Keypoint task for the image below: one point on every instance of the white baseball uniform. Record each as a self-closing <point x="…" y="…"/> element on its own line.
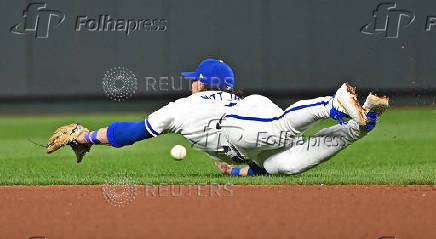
<point x="195" y="117"/>
<point x="255" y="128"/>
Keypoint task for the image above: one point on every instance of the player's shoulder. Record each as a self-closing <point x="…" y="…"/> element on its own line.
<point x="257" y="97"/>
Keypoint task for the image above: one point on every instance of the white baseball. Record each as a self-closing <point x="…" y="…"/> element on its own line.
<point x="178" y="152"/>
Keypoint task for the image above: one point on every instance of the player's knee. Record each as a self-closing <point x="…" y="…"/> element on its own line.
<point x="286" y="164"/>
<point x="291" y="170"/>
<point x="281" y="168"/>
<point x="285" y="170"/>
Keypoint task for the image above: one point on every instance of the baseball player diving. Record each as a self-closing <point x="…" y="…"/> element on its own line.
<point x="252" y="130"/>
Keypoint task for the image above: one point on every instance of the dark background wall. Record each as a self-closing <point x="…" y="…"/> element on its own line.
<point x="279" y="48"/>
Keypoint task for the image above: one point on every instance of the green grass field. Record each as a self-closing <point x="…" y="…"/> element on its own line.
<point x="401" y="150"/>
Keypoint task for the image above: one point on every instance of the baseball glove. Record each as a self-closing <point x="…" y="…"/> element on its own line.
<point x="67" y="135"/>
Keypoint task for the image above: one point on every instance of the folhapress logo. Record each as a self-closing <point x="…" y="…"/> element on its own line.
<point x="38" y="20"/>
<point x="388" y="19"/>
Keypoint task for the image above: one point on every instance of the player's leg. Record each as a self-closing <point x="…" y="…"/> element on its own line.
<point x="305" y="113"/>
<point x="326" y="143"/>
<point x="318" y="148"/>
<point x="303" y="155"/>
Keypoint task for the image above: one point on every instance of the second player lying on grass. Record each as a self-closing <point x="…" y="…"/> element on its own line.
<point x="251" y="130"/>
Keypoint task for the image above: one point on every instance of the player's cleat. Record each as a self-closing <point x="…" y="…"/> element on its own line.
<point x="374" y="107"/>
<point x="376" y="103"/>
<point x="345" y="104"/>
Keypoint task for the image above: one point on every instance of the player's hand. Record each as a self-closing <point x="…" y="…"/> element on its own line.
<point x="225" y="168"/>
<point x="67" y="135"/>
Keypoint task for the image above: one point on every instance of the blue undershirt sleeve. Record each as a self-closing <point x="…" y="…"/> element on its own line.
<point x="121" y="134"/>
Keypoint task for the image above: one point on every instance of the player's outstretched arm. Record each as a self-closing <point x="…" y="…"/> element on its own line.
<point x="100" y="135"/>
<point x="118" y="134"/>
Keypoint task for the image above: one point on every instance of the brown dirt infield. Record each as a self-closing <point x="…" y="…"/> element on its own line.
<point x="250" y="212"/>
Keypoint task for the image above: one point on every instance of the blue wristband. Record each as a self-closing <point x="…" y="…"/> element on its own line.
<point x="87" y="138"/>
<point x="94" y="137"/>
<point x="235" y="171"/>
